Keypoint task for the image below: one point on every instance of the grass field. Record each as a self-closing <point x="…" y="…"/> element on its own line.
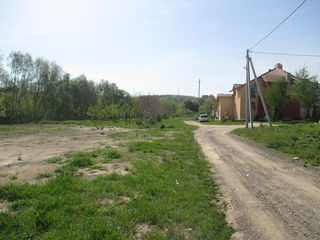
<point x="220" y="122"/>
<point x="298" y="140"/>
<point x="134" y="123"/>
<point x="166" y="193"/>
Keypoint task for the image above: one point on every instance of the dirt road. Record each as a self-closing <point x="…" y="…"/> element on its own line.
<point x="270" y="195"/>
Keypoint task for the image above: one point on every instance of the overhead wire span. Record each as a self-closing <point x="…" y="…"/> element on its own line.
<point x="287" y="54"/>
<point x="278" y="25"/>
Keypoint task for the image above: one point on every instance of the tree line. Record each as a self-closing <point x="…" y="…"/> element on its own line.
<point x="39" y="89"/>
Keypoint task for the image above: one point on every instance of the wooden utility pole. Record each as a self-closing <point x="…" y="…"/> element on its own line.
<point x="248" y="97"/>
<point x="260" y="94"/>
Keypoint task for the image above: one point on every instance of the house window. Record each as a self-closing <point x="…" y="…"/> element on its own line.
<point x="253" y="106"/>
<point x="253" y="90"/>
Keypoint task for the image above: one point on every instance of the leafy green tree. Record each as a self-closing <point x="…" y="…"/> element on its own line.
<point x="306" y="90"/>
<point x="83" y="94"/>
<point x="275" y="97"/>
<point x="207" y="103"/>
<point x="193" y="106"/>
<point x="109" y="93"/>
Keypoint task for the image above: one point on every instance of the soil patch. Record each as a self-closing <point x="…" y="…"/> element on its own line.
<point x="25" y="149"/>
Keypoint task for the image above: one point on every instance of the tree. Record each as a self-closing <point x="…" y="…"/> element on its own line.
<point x="83" y="94"/>
<point x="207" y="103"/>
<point x="193" y="106"/>
<point x="306" y="90"/>
<point x="275" y="97"/>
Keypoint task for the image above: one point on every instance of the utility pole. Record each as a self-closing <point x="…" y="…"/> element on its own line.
<point x="260" y="94"/>
<point x="199" y="90"/>
<point x="248" y="97"/>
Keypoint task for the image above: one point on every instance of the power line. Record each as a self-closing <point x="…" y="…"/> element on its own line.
<point x="278" y="25"/>
<point x="287" y="54"/>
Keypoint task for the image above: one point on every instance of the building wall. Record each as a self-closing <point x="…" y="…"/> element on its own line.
<point x="225" y="108"/>
<point x="239" y="100"/>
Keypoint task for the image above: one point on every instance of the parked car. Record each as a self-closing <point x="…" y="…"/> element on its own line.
<point x="203" y="118"/>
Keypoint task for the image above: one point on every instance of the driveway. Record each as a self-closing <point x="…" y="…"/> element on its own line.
<point x="269" y="195"/>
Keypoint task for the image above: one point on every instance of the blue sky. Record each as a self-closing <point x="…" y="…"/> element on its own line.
<point x="160" y="46"/>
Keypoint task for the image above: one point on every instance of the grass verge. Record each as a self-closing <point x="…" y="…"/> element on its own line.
<point x="298" y="140"/>
<point x="220" y="122"/>
<point x="168" y="194"/>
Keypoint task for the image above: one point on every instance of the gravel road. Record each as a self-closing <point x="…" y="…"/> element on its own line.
<point x="270" y="196"/>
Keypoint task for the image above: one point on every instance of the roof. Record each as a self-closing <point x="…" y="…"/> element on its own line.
<point x="271" y="76"/>
<point x="224" y="95"/>
<point x="235" y="86"/>
<point x="276" y="74"/>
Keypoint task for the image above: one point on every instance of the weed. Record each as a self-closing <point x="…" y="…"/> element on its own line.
<point x="55" y="160"/>
<point x="44" y="175"/>
<point x="114" y="154"/>
<point x="81" y="162"/>
<point x="97" y="167"/>
<point x="19" y="156"/>
<point x="13" y="177"/>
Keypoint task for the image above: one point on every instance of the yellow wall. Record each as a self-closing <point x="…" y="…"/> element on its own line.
<point x="225" y="108"/>
<point x="239" y="100"/>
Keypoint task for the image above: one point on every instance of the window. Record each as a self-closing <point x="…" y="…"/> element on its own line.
<point x="253" y="106"/>
<point x="253" y="90"/>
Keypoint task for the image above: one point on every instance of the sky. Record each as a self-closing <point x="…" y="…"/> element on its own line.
<point x="162" y="46"/>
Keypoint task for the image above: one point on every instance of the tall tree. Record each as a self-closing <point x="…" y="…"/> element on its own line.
<point x="206" y="105"/>
<point x="306" y="90"/>
<point x="275" y="97"/>
<point x="83" y="95"/>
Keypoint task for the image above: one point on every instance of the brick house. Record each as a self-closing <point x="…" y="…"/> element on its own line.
<point x="232" y="106"/>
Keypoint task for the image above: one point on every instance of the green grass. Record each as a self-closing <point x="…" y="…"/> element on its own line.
<point x="220" y="122"/>
<point x="17" y="130"/>
<point x="55" y="160"/>
<point x="297" y="140"/>
<point x="114" y="154"/>
<point x="44" y="175"/>
<point x="140" y="134"/>
<point x="14" y="177"/>
<point x="75" y="161"/>
<point x="169" y="188"/>
<point x="98" y="124"/>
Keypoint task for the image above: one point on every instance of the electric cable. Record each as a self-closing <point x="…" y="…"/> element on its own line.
<point x="278" y="25"/>
<point x="287" y="54"/>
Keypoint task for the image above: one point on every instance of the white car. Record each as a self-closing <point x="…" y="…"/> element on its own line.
<point x="203" y="118"/>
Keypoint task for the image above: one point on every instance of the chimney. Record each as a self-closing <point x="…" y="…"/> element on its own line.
<point x="278" y="65"/>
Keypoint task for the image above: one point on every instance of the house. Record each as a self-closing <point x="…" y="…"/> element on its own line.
<point x="232" y="106"/>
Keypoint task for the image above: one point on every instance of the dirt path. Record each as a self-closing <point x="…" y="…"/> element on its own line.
<point x="270" y="196"/>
